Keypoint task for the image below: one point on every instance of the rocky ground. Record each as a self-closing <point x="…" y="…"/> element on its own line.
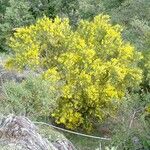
<point x="19" y="133"/>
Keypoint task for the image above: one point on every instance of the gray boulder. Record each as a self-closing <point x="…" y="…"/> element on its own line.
<point x="19" y="133"/>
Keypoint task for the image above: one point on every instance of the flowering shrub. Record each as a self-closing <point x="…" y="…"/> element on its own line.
<point x="39" y="45"/>
<point x="93" y="65"/>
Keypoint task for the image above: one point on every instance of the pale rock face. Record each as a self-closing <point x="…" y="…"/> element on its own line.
<point x="19" y="133"/>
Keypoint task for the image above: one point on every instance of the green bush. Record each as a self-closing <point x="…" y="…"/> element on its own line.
<point x="16" y="14"/>
<point x="136" y="25"/>
<point x="132" y="125"/>
<point x="34" y="97"/>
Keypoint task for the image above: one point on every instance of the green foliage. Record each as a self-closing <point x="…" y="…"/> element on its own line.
<point x="93" y="65"/>
<point x="88" y="9"/>
<point x="33" y="97"/>
<point x="72" y="9"/>
<point x="136" y="24"/>
<point x="112" y="4"/>
<point x="16" y="14"/>
<point x="132" y="125"/>
<point x="145" y="63"/>
<point x="3" y="5"/>
<point x="124" y="12"/>
<point x="50" y="8"/>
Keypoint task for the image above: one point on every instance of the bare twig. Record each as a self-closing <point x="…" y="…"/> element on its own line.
<point x="77" y="133"/>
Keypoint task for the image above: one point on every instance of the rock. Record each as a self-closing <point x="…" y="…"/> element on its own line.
<point x="7" y="75"/>
<point x="19" y="133"/>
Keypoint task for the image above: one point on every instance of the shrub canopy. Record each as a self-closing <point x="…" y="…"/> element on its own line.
<point x="93" y="65"/>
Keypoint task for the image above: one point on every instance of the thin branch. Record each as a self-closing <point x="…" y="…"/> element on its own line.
<point x="77" y="133"/>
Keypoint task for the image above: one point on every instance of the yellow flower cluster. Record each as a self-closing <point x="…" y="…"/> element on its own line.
<point x="93" y="63"/>
<point x="36" y="44"/>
